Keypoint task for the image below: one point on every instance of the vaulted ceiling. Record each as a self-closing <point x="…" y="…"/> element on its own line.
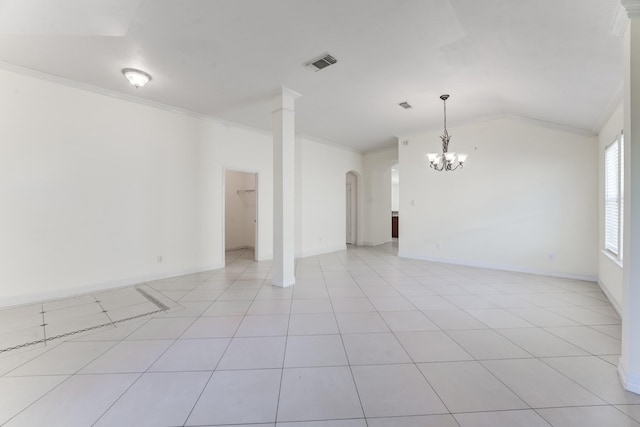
<point x="555" y="61"/>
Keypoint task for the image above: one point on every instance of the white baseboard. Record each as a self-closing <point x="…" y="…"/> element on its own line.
<point x="367" y="243"/>
<point x="612" y="300"/>
<point x="321" y="251"/>
<point x="236" y="248"/>
<point x="496" y="266"/>
<point x="630" y="382"/>
<point x="97" y="287"/>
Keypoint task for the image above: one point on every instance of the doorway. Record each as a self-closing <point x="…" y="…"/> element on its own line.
<point x="351" y="208"/>
<point x="240" y="211"/>
<point x="395" y="201"/>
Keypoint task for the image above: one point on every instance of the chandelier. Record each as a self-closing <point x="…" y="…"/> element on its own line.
<point x="447" y="161"/>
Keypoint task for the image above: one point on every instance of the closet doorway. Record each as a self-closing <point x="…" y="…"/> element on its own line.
<point x="241" y="211"/>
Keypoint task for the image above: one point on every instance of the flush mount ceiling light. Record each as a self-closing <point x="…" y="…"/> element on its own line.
<point x="447" y="161"/>
<point x="137" y="78"/>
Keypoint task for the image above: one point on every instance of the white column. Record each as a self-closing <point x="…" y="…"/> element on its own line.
<point x="629" y="368"/>
<point x="284" y="141"/>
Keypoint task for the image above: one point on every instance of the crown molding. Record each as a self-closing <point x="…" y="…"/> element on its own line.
<point x="632" y="7"/>
<point x="608" y="110"/>
<point x="29" y="72"/>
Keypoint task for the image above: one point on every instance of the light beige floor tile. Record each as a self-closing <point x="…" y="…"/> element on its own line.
<point x="595" y="416"/>
<point x="451" y="320"/>
<point x="310" y="306"/>
<point x="350" y="323"/>
<point x="541" y="343"/>
<point x="313" y="351"/>
<point x="408" y="321"/>
<point x="395" y="390"/>
<point x="192" y="355"/>
<point x="588" y="339"/>
<point x="539" y="385"/>
<point x="415" y="421"/>
<point x="499" y="318"/>
<point x="162" y="329"/>
<point x="253" y="353"/>
<point x="596" y="375"/>
<point x="469" y="387"/>
<point x="486" y="344"/>
<point x="79" y="401"/>
<point x="318" y="394"/>
<point x="432" y="346"/>
<point x="228" y="308"/>
<point x="399" y="303"/>
<point x="270" y="306"/>
<point x="351" y="305"/>
<point x="631" y="410"/>
<point x="372" y="349"/>
<point x="524" y="418"/>
<point x="66" y="358"/>
<point x="263" y="326"/>
<point x="213" y="327"/>
<point x="19" y="392"/>
<point x="128" y="356"/>
<point x="328" y="423"/>
<point x="164" y="398"/>
<point x="237" y="397"/>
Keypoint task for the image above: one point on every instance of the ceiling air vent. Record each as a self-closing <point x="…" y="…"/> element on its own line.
<point x="320" y="62"/>
<point x="405" y="105"/>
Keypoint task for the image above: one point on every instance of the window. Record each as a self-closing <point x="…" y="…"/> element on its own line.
<point x="613" y="196"/>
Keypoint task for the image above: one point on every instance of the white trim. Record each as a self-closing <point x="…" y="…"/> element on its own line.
<point x="608" y="110"/>
<point x="368" y="243"/>
<point x="125" y="97"/>
<point x="515" y="117"/>
<point x="393" y="147"/>
<point x="322" y="251"/>
<point x="614" y="258"/>
<point x="610" y="297"/>
<point x="99" y="286"/>
<point x="301" y="136"/>
<point x="238" y="248"/>
<point x="503" y="267"/>
<point x="632" y="7"/>
<point x="630" y="382"/>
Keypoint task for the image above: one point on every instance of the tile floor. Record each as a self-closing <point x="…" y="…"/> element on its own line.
<point x="363" y="339"/>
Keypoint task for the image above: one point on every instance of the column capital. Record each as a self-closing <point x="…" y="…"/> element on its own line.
<point x="283" y="98"/>
<point x="632" y="7"/>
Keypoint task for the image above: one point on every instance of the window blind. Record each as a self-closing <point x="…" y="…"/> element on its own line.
<point x="613" y="197"/>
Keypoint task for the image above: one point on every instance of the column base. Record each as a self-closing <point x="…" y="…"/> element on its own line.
<point x="284" y="283"/>
<point x="631" y="382"/>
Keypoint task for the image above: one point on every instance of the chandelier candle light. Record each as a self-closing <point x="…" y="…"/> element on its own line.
<point x="447" y="161"/>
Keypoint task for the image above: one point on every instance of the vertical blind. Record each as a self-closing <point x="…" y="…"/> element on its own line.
<point x="613" y="162"/>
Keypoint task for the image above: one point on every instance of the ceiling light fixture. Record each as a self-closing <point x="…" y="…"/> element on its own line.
<point x="137" y="78"/>
<point x="446" y="161"/>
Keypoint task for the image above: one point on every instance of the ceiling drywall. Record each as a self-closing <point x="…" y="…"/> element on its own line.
<point x="554" y="61"/>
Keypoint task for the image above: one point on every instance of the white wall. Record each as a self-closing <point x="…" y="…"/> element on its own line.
<point x="609" y="270"/>
<point x="240" y="210"/>
<point x="395" y="188"/>
<point x="320" y="195"/>
<point x="377" y="196"/>
<point x="351" y="201"/>
<point x="526" y="199"/>
<point x="93" y="189"/>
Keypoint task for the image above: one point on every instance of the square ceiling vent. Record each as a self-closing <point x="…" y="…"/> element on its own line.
<point x="321" y="62"/>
